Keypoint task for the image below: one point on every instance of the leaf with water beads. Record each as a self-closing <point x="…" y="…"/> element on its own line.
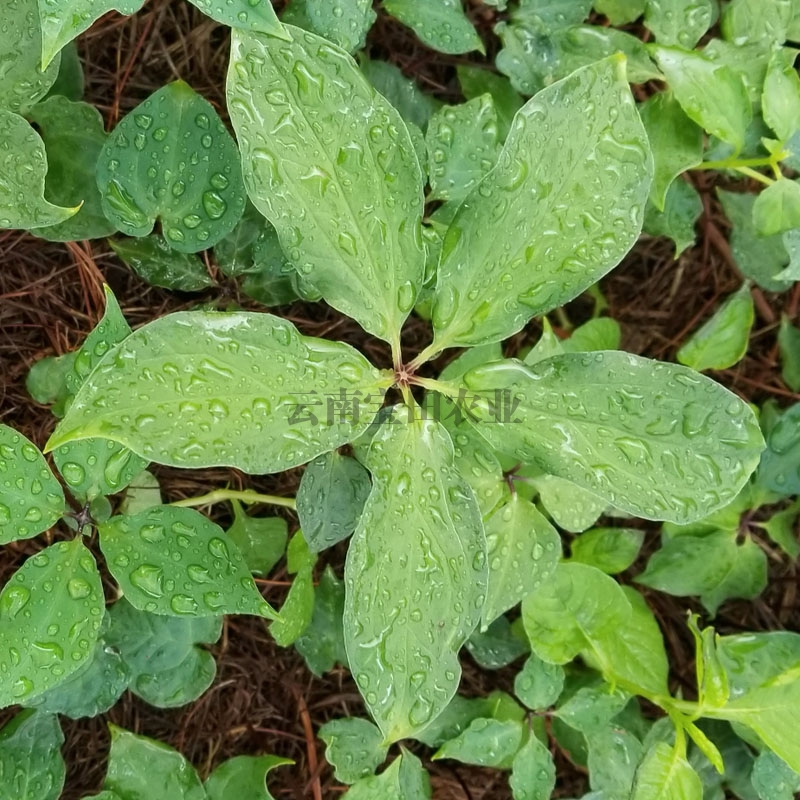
<point x="153" y="260"/>
<point x="354" y="747"/>
<point x="243" y="776"/>
<point x="50" y="615"/>
<point x="257" y="16"/>
<point x="441" y="24"/>
<point x="31" y="766"/>
<point x="171" y="159"/>
<point x="175" y="561"/>
<point x="344" y="22"/>
<point x="31" y="499"/>
<point x="416" y="577"/>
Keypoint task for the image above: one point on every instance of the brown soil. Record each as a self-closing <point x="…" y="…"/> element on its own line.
<point x="264" y="699"/>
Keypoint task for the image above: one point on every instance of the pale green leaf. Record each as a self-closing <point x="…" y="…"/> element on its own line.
<point x="777" y="208"/>
<point x="51" y="610"/>
<point x="665" y="774"/>
<point x="175" y="561"/>
<point x="155" y="261"/>
<point x="660" y="441"/>
<point x="756" y="21"/>
<point x="24" y="79"/>
<point x="682" y="208"/>
<point x="571" y="507"/>
<point x="23" y="168"/>
<point x="476" y="81"/>
<point x="298" y="608"/>
<point x="612" y="760"/>
<point x="64" y="20"/>
<point x="143" y="492"/>
<point x="559" y="214"/>
<point x="789" y="346"/>
<point x="256" y="16"/>
<point x="538" y="684"/>
<point x="602" y="333"/>
<point x="710" y="93"/>
<point x="611" y="550"/>
<point x="712" y="680"/>
<point x="404" y="779"/>
<point x="244" y="777"/>
<point x="773" y="779"/>
<point x="722" y="340"/>
<point x="143" y="769"/>
<point x="330" y="499"/>
<point x="261" y="540"/>
<point x="523" y="550"/>
<point x="414" y="598"/>
<point x="73" y="135"/>
<point x="354" y="747"/>
<point x="331" y="165"/>
<point x="620" y="12"/>
<point x="533" y="773"/>
<point x="591" y="708"/>
<point x="552" y="15"/>
<point x="577" y="605"/>
<point x="780" y="104"/>
<point x="31" y="766"/>
<point x="46" y="381"/>
<point x="463" y="144"/>
<point x="345" y="23"/>
<point x="499" y="645"/>
<point x="441" y="24"/>
<point x="679" y="22"/>
<point x="239" y="389"/>
<point x="486" y="743"/>
<point x="31" y="499"/>
<point x="676" y="142"/>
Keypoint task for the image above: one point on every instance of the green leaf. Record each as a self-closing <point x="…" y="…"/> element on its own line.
<point x="330" y="499"/>
<point x="577" y="605"/>
<point x="602" y="333"/>
<point x="440" y="24"/>
<point x="297" y="610"/>
<point x="710" y="93"/>
<point x="243" y="776"/>
<point x="789" y="346"/>
<point x="168" y="667"/>
<point x="682" y="208"/>
<point x="539" y="684"/>
<point x="31" y="499"/>
<point x="476" y="81"/>
<point x="486" y="743"/>
<point x="759" y="258"/>
<point x="461" y="711"/>
<point x="722" y="340"/>
<point x="172" y="160"/>
<point x="51" y="610"/>
<point x="167" y="772"/>
<point x="498" y="646"/>
<point x="183" y="410"/>
<point x="256" y="16"/>
<point x="345" y="24"/>
<point x="70" y="81"/>
<point x="143" y="493"/>
<point x="676" y="142"/>
<point x="354" y="747"/>
<point x="713" y="566"/>
<point x="46" y="381"/>
<point x="175" y="561"/>
<point x="404" y="779"/>
<point x="31" y="766"/>
<point x="412" y="599"/>
<point x="553" y="15"/>
<point x="665" y="774"/>
<point x="322" y="642"/>
<point x="551" y="252"/>
<point x="780" y="527"/>
<point x="22" y="170"/>
<point x="463" y="145"/>
<point x="73" y="135"/>
<point x="523" y="550"/>
<point x="613" y="756"/>
<point x="533" y="773"/>
<point x="779" y="468"/>
<point x="712" y="680"/>
<point x="679" y="22"/>
<point x="672" y="444"/>
<point x="351" y="191"/>
<point x="777" y="208"/>
<point x="156" y="262"/>
<point x="754" y="21"/>
<point x="611" y="550"/>
<point x="572" y="508"/>
<point x="773" y="779"/>
<point x="780" y="103"/>
<point x="64" y="20"/>
<point x="591" y="708"/>
<point x="24" y="80"/>
<point x="261" y="540"/>
<point x="620" y="12"/>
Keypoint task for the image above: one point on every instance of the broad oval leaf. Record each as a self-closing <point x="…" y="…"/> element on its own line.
<point x="243" y="776"/>
<point x="533" y="773"/>
<point x="64" y="20"/>
<point x="31" y="766"/>
<point x="331" y="165"/>
<point x="345" y="23"/>
<point x="171" y="159"/>
<point x="257" y="16"/>
<point x="539" y="684"/>
<point x="31" y="499"/>
<point x="177" y="562"/>
<point x="50" y="615"/>
<point x="237" y="389"/>
<point x="441" y="24"/>
<point x="679" y="22"/>
<point x="611" y="550"/>
<point x="777" y="208"/>
<point x="23" y="167"/>
<point x="354" y="748"/>
<point x="565" y="217"/>
<point x="656" y="440"/>
<point x="416" y="576"/>
<point x="486" y="743"/>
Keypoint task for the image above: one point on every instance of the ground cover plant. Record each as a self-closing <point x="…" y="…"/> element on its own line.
<point x="451" y="475"/>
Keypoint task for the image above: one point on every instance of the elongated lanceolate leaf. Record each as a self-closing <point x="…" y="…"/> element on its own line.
<point x="416" y="577"/>
<point x="331" y="165"/>
<point x="657" y="440"/>
<point x="241" y="389"/>
<point x="566" y="200"/>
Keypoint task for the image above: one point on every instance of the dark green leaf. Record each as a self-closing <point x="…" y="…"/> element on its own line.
<point x="773" y="779"/>
<point x="682" y="208"/>
<point x="476" y="81"/>
<point x="261" y="540"/>
<point x="591" y="708"/>
<point x="779" y="470"/>
<point x="70" y="81"/>
<point x="614" y="755"/>
<point x="257" y="16"/>
<point x="539" y="683"/>
<point x="404" y="779"/>
<point x="789" y="346"/>
<point x="486" y="743"/>
<point x="533" y="773"/>
<point x="31" y="766"/>
<point x="498" y="646"/>
<point x="154" y="261"/>
<point x="620" y="12"/>
<point x="46" y="381"/>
